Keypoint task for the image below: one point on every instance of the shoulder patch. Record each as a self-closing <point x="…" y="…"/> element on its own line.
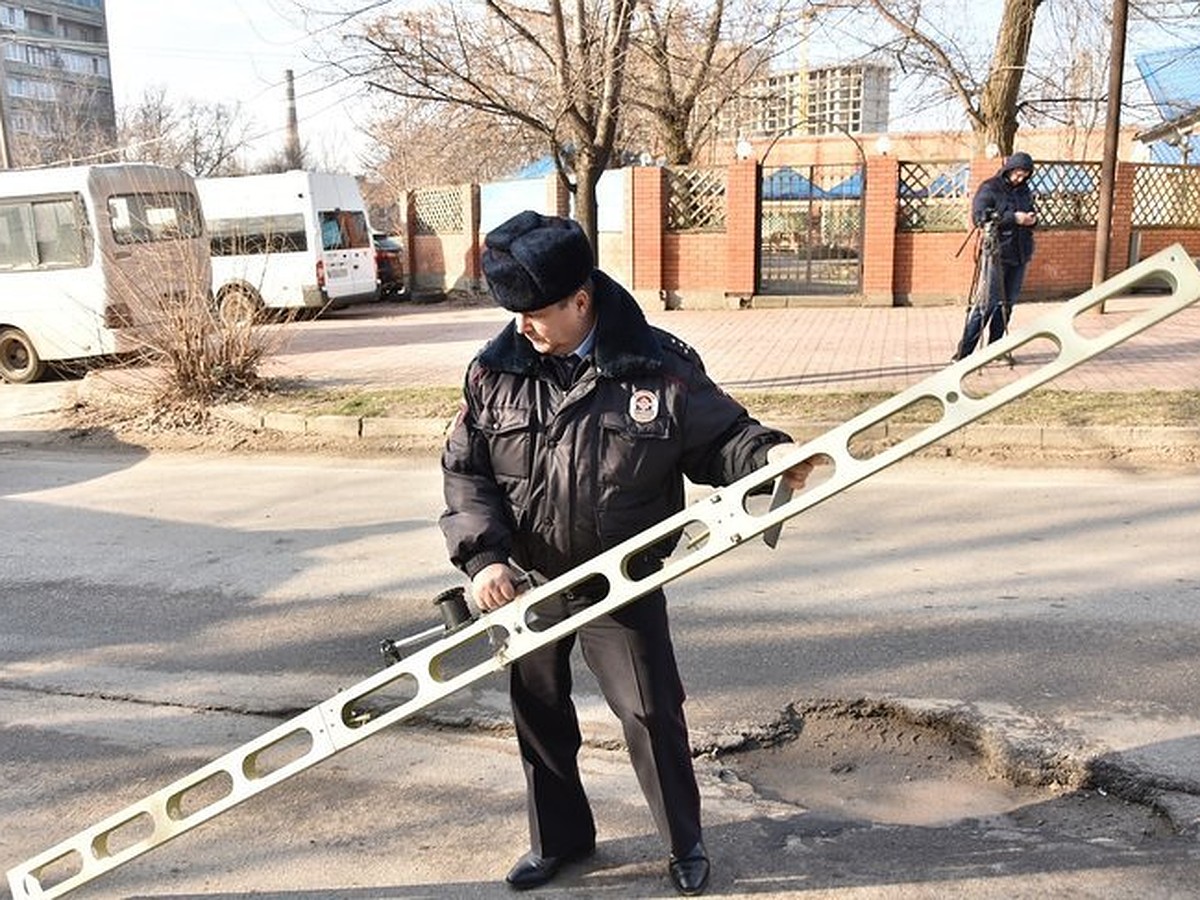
<point x="678" y="347"/>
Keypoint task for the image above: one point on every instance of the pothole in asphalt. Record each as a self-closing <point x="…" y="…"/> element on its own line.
<point x="867" y="762"/>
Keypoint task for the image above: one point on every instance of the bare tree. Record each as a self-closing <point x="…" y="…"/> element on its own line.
<point x="990" y="102"/>
<point x="201" y="138"/>
<point x="1066" y="85"/>
<point x="552" y="70"/>
<point x="1056" y="74"/>
<point x="419" y="144"/>
<point x="693" y="60"/>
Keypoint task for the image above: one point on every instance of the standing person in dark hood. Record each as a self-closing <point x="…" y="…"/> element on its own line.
<point x="1005" y="203"/>
<point x="579" y="423"/>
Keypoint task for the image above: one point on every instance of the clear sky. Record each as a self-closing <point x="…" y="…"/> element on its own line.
<point x="235" y="52"/>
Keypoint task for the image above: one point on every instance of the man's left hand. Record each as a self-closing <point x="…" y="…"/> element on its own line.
<point x="796" y="476"/>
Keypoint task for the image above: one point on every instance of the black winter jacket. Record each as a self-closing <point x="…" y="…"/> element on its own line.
<point x="998" y="198"/>
<point x="550" y="479"/>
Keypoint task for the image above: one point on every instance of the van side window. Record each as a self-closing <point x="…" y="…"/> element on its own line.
<point x="42" y="234"/>
<point x="145" y="218"/>
<point x="344" y="229"/>
<point x="258" y="234"/>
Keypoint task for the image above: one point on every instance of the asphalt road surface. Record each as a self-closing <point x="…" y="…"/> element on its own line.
<point x="864" y="697"/>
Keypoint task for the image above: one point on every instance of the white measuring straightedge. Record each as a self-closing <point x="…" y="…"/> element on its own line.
<point x="1070" y="334"/>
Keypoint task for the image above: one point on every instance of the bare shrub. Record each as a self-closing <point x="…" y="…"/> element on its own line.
<point x="188" y="356"/>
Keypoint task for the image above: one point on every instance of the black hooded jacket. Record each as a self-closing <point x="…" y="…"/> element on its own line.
<point x="550" y="479"/>
<point x="998" y="199"/>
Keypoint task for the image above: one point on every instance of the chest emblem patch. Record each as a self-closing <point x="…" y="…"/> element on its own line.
<point x="643" y="406"/>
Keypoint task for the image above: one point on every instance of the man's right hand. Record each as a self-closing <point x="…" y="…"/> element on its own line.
<point x="495" y="585"/>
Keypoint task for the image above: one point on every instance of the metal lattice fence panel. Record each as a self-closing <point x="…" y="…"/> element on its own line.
<point x="695" y="199"/>
<point x="438" y="211"/>
<point x="933" y="196"/>
<point x="1166" y="197"/>
<point x="1067" y="194"/>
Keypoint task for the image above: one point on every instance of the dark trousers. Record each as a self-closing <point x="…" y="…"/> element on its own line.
<point x="631" y="654"/>
<point x="1003" y="287"/>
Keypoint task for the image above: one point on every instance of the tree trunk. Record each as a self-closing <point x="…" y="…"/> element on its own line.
<point x="673" y="131"/>
<point x="587" y="176"/>
<point x="997" y="123"/>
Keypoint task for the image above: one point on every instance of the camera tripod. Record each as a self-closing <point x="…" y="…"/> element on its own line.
<point x="987" y="281"/>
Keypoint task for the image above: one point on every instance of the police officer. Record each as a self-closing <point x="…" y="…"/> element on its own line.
<point x="579" y="422"/>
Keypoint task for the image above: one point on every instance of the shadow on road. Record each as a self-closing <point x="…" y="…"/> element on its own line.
<point x="115" y="456"/>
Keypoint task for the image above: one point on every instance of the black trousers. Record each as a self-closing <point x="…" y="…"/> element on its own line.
<point x="631" y="654"/>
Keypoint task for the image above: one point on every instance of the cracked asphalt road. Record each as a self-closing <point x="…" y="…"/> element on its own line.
<point x="159" y="610"/>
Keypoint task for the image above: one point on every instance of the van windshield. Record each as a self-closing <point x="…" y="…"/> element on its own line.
<point x="160" y="216"/>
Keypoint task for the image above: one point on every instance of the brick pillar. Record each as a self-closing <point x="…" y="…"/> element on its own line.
<point x="645" y="230"/>
<point x="982" y="169"/>
<point x="1120" y="249"/>
<point x="742" y="223"/>
<point x="558" y="196"/>
<point x="879" y="231"/>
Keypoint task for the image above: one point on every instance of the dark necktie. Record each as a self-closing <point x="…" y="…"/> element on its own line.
<point x="563" y="369"/>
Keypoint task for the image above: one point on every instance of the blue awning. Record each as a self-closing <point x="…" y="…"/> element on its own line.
<point x="848" y="189"/>
<point x="788" y="184"/>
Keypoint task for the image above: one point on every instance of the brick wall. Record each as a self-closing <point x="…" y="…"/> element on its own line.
<point x="930" y="270"/>
<point x="718" y="268"/>
<point x="879" y="231"/>
<point x="1062" y="263"/>
<point x="741" y="229"/>
<point x="1151" y="240"/>
<point x="695" y="262"/>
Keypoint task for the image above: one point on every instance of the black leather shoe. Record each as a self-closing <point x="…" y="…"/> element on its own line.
<point x="533" y="870"/>
<point x="689" y="873"/>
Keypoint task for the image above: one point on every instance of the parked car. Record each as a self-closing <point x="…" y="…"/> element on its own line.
<point x="389" y="260"/>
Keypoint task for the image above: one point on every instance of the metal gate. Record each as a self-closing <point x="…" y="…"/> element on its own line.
<point x="812" y="224"/>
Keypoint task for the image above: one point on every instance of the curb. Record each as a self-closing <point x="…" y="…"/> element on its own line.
<point x="1113" y="438"/>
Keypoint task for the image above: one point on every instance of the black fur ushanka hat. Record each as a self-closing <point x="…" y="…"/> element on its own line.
<point x="533" y="260"/>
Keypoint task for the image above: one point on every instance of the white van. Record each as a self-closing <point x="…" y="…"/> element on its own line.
<point x="290" y="240"/>
<point x="89" y="252"/>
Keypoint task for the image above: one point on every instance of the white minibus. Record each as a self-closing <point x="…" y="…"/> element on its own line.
<point x="84" y="250"/>
<point x="290" y="240"/>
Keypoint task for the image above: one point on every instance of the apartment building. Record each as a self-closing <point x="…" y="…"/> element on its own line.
<point x="56" y="97"/>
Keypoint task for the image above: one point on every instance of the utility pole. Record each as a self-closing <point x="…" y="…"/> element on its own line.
<point x="1112" y="134"/>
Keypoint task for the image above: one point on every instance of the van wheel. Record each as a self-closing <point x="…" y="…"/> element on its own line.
<point x="19" y="362"/>
<point x="239" y="307"/>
